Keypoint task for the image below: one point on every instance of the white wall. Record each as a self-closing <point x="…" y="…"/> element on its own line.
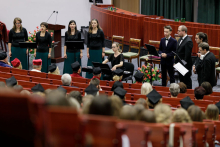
<point x="33" y="12"/>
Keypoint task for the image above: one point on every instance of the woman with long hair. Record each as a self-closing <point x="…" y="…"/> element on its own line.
<point x="43" y="51"/>
<point x="18" y="34"/>
<point x="95" y="45"/>
<point x="71" y="55"/>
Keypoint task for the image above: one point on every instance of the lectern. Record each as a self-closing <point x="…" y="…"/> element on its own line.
<point x="56" y="55"/>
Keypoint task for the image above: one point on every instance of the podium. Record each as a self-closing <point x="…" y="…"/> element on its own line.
<point x="56" y="54"/>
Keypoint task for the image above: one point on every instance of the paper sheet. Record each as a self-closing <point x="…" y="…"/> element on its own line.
<point x="181" y="68"/>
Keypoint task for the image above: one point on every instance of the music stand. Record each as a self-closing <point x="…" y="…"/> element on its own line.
<point x="104" y="67"/>
<point x="152" y="50"/>
<point x="28" y="45"/>
<point x="86" y="69"/>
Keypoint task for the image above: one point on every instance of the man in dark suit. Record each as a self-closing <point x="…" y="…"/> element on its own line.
<point x="208" y="64"/>
<point x="184" y="50"/>
<point x="167" y="45"/>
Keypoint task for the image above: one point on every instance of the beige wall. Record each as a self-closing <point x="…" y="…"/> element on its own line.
<point x="129" y="5"/>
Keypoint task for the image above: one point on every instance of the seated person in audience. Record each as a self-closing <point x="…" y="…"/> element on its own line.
<point x="128" y="112"/>
<point x="41" y="94"/>
<point x="92" y="89"/>
<point x="66" y="80"/>
<point x="139" y="108"/>
<point x="47" y="91"/>
<point x="212" y="112"/>
<point x="208" y="87"/>
<point x="74" y="103"/>
<point x="180" y="115"/>
<point x="76" y="95"/>
<point x="18" y="88"/>
<point x="117" y="75"/>
<point x="174" y="90"/>
<point x="37" y="88"/>
<point x="116" y="105"/>
<point x="195" y="113"/>
<point x="2" y="84"/>
<point x="146" y="88"/>
<point x="37" y="65"/>
<point x="147" y="116"/>
<point x="101" y="105"/>
<point x="163" y="113"/>
<point x="76" y="69"/>
<point x="121" y="93"/>
<point x="153" y="98"/>
<point x="16" y="63"/>
<point x="139" y="77"/>
<point x="199" y="93"/>
<point x="4" y="60"/>
<point x="183" y="88"/>
<point x="186" y="102"/>
<point x="86" y="104"/>
<point x="61" y="89"/>
<point x="25" y="92"/>
<point x="96" y="82"/>
<point x="143" y="102"/>
<point x="53" y="69"/>
<point x="86" y="98"/>
<point x="97" y="73"/>
<point x="10" y="82"/>
<point x="117" y="84"/>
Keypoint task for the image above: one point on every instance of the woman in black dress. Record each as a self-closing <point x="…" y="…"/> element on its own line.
<point x="18" y="34"/>
<point x="116" y="59"/>
<point x="71" y="55"/>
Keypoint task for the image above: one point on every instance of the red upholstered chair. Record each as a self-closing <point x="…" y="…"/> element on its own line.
<point x="211" y="132"/>
<point x="38" y="74"/>
<point x="217" y="124"/>
<point x="104" y="131"/>
<point x="64" y="128"/>
<point x="22" y="77"/>
<point x="52" y="76"/>
<point x="5" y="69"/>
<point x="201" y="136"/>
<point x="41" y="80"/>
<point x="19" y="71"/>
<point x="5" y="75"/>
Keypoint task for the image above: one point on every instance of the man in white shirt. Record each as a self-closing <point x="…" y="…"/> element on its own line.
<point x="37" y="65"/>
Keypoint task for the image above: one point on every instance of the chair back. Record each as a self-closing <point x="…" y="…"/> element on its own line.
<point x="135" y="44"/>
<point x="120" y="40"/>
<point x="129" y="67"/>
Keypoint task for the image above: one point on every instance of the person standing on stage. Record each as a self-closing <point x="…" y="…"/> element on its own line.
<point x="184" y="50"/>
<point x="207" y="65"/>
<point x="167" y="45"/>
<point x="95" y="45"/>
<point x="43" y="51"/>
<point x="71" y="55"/>
<point x="200" y="37"/>
<point x="18" y="34"/>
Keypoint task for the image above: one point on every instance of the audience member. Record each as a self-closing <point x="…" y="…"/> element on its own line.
<point x="2" y="84"/>
<point x="47" y="91"/>
<point x="61" y="89"/>
<point x="199" y="93"/>
<point x="18" y="88"/>
<point x="212" y="112"/>
<point x="101" y="105"/>
<point x="128" y="113"/>
<point x="38" y="93"/>
<point x="174" y="90"/>
<point x="147" y="116"/>
<point x="186" y="102"/>
<point x="183" y="88"/>
<point x="74" y="103"/>
<point x="116" y="105"/>
<point x="10" y="82"/>
<point x="163" y="113"/>
<point x="143" y="102"/>
<point x="86" y="98"/>
<point x="4" y="60"/>
<point x="195" y="113"/>
<point x="153" y="98"/>
<point x="97" y="73"/>
<point x="25" y="92"/>
<point x="76" y="69"/>
<point x="117" y="84"/>
<point x="37" y="88"/>
<point x="37" y="65"/>
<point x="76" y="95"/>
<point x="66" y="80"/>
<point x="16" y="63"/>
<point x="139" y="108"/>
<point x="121" y="93"/>
<point x="146" y="88"/>
<point x="96" y="82"/>
<point x="91" y="89"/>
<point x="53" y="69"/>
<point x="139" y="77"/>
<point x="181" y="116"/>
<point x="118" y="74"/>
<point x="208" y="87"/>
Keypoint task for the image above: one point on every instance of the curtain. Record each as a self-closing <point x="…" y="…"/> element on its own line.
<point x="170" y="9"/>
<point x="208" y="11"/>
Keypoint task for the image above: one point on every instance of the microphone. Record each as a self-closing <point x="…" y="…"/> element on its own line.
<point x="56" y="17"/>
<point x="50" y="15"/>
<point x="182" y="61"/>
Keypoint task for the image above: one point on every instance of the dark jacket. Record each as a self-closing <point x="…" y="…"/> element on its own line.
<point x="208" y="69"/>
<point x="184" y="51"/>
<point x="171" y="46"/>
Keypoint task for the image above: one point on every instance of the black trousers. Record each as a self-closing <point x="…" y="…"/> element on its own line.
<point x="186" y="79"/>
<point x="170" y="70"/>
